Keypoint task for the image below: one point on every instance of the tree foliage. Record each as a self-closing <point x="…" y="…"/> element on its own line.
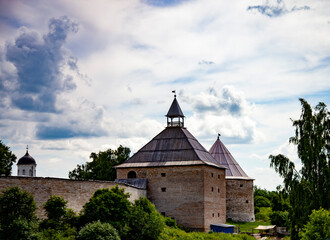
<point x="111" y="206"/>
<point x="7" y="158"/>
<point x="318" y="226"/>
<point x="98" y="231"/>
<point x="312" y="137"/>
<point x="102" y="165"/>
<point x="145" y="222"/>
<point x="17" y="214"/>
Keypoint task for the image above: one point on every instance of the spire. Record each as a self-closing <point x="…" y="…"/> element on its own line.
<point x="27" y="148"/>
<point x="175" y="117"/>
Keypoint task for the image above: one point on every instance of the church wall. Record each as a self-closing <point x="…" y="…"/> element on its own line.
<point x="77" y="193"/>
<point x="177" y="192"/>
<point x="240" y="201"/>
<point x="214" y="196"/>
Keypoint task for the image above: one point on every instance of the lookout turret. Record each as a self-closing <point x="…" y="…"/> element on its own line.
<point x="175" y="117"/>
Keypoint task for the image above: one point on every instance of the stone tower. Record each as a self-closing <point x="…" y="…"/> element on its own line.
<point x="26" y="165"/>
<point x="184" y="181"/>
<point x="240" y="203"/>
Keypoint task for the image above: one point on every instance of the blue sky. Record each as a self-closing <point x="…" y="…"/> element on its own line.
<point x="82" y="76"/>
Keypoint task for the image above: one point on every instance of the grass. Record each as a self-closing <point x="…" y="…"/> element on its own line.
<point x="262" y="218"/>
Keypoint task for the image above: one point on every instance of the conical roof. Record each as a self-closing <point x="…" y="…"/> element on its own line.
<point x="175" y="110"/>
<point x="224" y="158"/>
<point x="26" y="159"/>
<point x="174" y="146"/>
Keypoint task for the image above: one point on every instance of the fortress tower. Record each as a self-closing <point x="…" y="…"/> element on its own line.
<point x="184" y="181"/>
<point x="239" y="193"/>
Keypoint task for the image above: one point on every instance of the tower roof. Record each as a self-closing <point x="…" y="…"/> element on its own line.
<point x="175" y="110"/>
<point x="26" y="159"/>
<point x="174" y="146"/>
<point x="224" y="157"/>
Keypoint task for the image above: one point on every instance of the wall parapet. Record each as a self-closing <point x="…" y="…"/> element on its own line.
<point x="76" y="192"/>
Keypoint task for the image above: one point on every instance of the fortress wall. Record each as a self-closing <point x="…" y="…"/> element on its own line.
<point x="77" y="193"/>
<point x="240" y="202"/>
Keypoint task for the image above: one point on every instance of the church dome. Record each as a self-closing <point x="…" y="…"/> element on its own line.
<point x="26" y="159"/>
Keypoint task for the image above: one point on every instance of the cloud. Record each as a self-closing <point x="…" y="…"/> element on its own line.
<point x="275" y="9"/>
<point x="39" y="62"/>
<point x="227" y="101"/>
<point x="225" y="111"/>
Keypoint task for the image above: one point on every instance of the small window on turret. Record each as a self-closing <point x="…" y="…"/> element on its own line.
<point x="241" y="185"/>
<point x="211" y="174"/>
<point x="164" y="189"/>
<point x="163" y="174"/>
<point x="212" y="214"/>
<point x="218" y="190"/>
<point x="212" y="189"/>
<point x="247" y="201"/>
<point x="218" y="214"/>
<point x="23" y="171"/>
<point x="218" y="176"/>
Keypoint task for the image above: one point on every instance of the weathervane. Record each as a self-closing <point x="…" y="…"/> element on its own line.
<point x="174" y="93"/>
<point x="219" y="135"/>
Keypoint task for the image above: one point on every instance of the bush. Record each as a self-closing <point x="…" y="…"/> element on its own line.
<point x="318" y="226"/>
<point x="108" y="205"/>
<point x="263" y="214"/>
<point x="280" y="219"/>
<point x="17" y="214"/>
<point x="261" y="201"/>
<point x="170" y="222"/>
<point x="145" y="221"/>
<point x="98" y="231"/>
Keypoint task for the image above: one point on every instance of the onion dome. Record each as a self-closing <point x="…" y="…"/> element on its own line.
<point x="26" y="159"/>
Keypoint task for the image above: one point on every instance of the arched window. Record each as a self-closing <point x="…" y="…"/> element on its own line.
<point x="31" y="174"/>
<point x="23" y="171"/>
<point x="131" y="174"/>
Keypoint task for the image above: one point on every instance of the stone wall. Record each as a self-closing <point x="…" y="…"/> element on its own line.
<point x="214" y="196"/>
<point x="77" y="193"/>
<point x="240" y="202"/>
<point x="185" y="193"/>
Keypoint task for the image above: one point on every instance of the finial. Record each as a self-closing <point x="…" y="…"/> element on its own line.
<point x="219" y="135"/>
<point x="174" y="93"/>
<point x="27" y="148"/>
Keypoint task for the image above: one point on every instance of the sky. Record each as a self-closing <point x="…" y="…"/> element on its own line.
<point x="83" y="76"/>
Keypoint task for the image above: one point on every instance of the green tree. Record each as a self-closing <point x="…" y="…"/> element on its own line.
<point x="313" y="145"/>
<point x="260" y="201"/>
<point x="102" y="165"/>
<point x="145" y="222"/>
<point x="98" y="231"/>
<point x="17" y="214"/>
<point x="7" y="158"/>
<point x="111" y="206"/>
<point x="318" y="226"/>
<point x="59" y="217"/>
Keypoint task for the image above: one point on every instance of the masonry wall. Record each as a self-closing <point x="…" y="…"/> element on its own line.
<point x="214" y="196"/>
<point x="240" y="202"/>
<point x="77" y="193"/>
<point x="178" y="192"/>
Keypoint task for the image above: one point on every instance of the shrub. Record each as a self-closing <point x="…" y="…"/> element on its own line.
<point x="145" y="221"/>
<point x="17" y="214"/>
<point x="261" y="201"/>
<point x="318" y="226"/>
<point x="98" y="231"/>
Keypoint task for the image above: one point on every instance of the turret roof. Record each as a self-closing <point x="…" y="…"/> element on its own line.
<point x="224" y="158"/>
<point x="26" y="159"/>
<point x="175" y="110"/>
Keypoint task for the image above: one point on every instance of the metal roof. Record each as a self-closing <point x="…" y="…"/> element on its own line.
<point x="140" y="183"/>
<point x="26" y="159"/>
<point x="174" y="146"/>
<point x="175" y="110"/>
<point x="224" y="157"/>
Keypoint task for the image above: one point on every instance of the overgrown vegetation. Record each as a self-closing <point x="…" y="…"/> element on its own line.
<point x="7" y="158"/>
<point x="307" y="189"/>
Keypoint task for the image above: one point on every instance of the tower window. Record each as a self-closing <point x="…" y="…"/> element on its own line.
<point x="218" y="176"/>
<point x="163" y="213"/>
<point x="241" y="185"/>
<point x="17" y="172"/>
<point x="163" y="174"/>
<point x="163" y="189"/>
<point x="218" y="190"/>
<point x="23" y="171"/>
<point x="212" y="214"/>
<point x="211" y="174"/>
<point x="212" y="189"/>
<point x="218" y="214"/>
<point x="31" y="174"/>
<point x="131" y="174"/>
<point x="247" y="201"/>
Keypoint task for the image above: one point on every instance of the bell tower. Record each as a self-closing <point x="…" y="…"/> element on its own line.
<point x="175" y="117"/>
